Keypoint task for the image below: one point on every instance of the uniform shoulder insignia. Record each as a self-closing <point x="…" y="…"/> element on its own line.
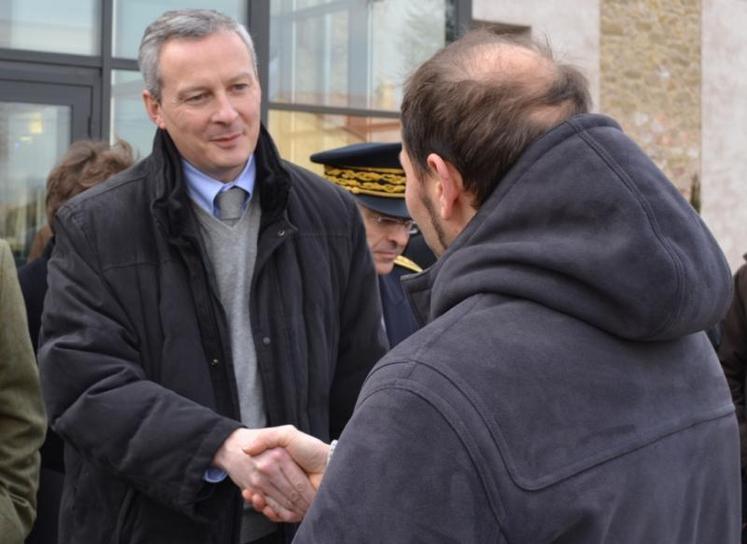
<point x="404" y="262"/>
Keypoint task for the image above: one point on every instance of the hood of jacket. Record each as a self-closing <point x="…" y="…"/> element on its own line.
<point x="587" y="225"/>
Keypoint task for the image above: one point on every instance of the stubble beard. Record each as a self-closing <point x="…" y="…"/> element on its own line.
<point x="435" y="224"/>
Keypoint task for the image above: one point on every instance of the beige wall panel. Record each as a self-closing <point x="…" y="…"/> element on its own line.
<point x="724" y="147"/>
<point x="572" y="27"/>
<point x="650" y="80"/>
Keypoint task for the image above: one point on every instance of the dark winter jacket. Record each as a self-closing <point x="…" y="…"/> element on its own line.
<point x="135" y="359"/>
<point x="33" y="280"/>
<point x="561" y="391"/>
<point x="399" y="320"/>
<point x="733" y="352"/>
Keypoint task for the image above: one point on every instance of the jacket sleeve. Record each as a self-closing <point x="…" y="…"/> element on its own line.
<point x="399" y="474"/>
<point x="362" y="337"/>
<point x="22" y="421"/>
<point x="733" y="353"/>
<point x="98" y="397"/>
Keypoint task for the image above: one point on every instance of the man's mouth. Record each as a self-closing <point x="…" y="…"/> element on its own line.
<point x="226" y="138"/>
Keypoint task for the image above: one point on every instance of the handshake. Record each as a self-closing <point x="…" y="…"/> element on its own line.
<point x="278" y="469"/>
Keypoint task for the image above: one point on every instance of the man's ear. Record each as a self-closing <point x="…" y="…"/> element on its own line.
<point x="153" y="108"/>
<point x="449" y="185"/>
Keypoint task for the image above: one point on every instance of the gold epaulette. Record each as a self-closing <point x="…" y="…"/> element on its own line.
<point x="404" y="262"/>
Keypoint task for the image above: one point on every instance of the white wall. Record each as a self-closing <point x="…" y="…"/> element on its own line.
<point x="724" y="124"/>
<point x="572" y="27"/>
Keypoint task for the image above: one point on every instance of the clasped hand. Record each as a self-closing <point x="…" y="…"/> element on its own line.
<point x="278" y="469"/>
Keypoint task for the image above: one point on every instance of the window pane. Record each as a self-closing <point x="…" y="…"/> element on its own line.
<point x="403" y="35"/>
<point x="32" y="137"/>
<point x="132" y="16"/>
<point x="300" y="134"/>
<point x="128" y="118"/>
<point x="351" y="53"/>
<point x="51" y="25"/>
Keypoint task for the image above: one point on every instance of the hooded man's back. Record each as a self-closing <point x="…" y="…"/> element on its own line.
<point x="562" y="390"/>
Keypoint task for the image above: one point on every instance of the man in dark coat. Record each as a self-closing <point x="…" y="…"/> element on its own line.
<point x="418" y="251"/>
<point x="399" y="319"/>
<point x="207" y="291"/>
<point x="371" y="172"/>
<point x="84" y="164"/>
<point x="733" y="355"/>
<point x="563" y="389"/>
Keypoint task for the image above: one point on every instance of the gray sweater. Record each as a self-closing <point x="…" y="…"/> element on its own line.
<point x="232" y="251"/>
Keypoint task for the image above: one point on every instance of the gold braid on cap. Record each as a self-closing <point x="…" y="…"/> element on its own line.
<point x="386" y="182"/>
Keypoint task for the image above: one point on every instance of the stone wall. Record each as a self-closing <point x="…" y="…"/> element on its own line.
<point x="674" y="74"/>
<point x="724" y="148"/>
<point x="650" y="80"/>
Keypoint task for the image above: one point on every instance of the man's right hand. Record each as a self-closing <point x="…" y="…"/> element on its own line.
<point x="272" y="472"/>
<point x="309" y="453"/>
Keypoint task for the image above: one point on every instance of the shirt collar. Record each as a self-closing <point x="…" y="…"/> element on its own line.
<point x="203" y="189"/>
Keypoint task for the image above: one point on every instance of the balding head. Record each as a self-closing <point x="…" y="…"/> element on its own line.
<point x="479" y="102"/>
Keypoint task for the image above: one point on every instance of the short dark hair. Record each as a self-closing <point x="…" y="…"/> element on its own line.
<point x="475" y="104"/>
<point x="84" y="164"/>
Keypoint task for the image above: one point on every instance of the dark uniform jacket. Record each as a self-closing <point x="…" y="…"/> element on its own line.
<point x="399" y="319"/>
<point x="733" y="352"/>
<point x="135" y="358"/>
<point x="562" y="391"/>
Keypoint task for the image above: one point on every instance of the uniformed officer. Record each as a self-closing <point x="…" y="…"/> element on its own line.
<point x="372" y="173"/>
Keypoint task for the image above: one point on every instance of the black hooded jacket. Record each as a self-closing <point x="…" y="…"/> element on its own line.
<point x="135" y="359"/>
<point x="561" y="391"/>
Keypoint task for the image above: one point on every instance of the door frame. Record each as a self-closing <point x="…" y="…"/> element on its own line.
<point x="78" y="98"/>
<point x="79" y="88"/>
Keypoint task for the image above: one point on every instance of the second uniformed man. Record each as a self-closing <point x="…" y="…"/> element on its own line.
<point x="372" y="173"/>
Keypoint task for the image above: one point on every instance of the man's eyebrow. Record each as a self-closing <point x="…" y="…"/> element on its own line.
<point x="191" y="90"/>
<point x="200" y="87"/>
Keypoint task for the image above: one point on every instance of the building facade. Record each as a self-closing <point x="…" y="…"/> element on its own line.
<point x="331" y="74"/>
<point x="670" y="71"/>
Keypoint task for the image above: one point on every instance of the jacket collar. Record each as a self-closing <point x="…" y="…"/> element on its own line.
<point x="171" y="205"/>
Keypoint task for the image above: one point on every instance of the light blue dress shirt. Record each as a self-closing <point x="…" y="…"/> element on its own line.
<point x="203" y="189"/>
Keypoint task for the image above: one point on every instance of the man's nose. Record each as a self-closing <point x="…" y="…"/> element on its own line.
<point x="399" y="235"/>
<point x="225" y="111"/>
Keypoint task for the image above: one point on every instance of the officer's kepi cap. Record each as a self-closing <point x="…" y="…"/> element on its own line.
<point x="371" y="172"/>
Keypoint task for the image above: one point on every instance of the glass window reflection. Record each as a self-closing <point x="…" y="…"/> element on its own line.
<point x="129" y="121"/>
<point x="132" y="16"/>
<point x="32" y="137"/>
<point x="299" y="134"/>
<point x="351" y="53"/>
<point x="51" y="25"/>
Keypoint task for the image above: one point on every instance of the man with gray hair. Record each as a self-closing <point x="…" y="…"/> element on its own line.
<point x="208" y="291"/>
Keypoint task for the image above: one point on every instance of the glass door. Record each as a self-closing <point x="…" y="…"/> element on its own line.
<point x="38" y="122"/>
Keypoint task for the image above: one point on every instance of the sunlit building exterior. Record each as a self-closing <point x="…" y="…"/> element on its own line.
<point x="671" y="72"/>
